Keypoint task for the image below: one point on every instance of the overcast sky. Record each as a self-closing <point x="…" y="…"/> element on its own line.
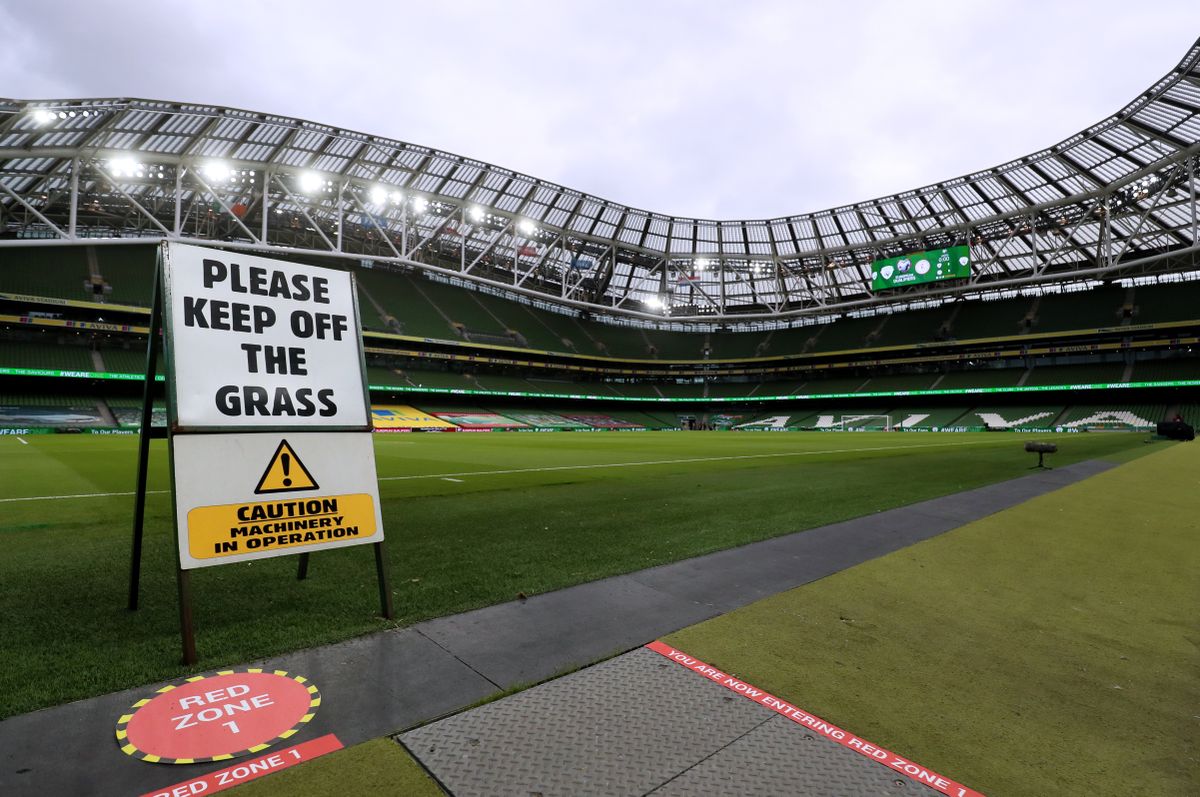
<point x="721" y="110"/>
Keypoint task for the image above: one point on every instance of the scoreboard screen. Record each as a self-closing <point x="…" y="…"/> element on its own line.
<point x="918" y="267"/>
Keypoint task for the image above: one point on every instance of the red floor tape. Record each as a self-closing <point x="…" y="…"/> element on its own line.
<point x="801" y="717"/>
<point x="250" y="769"/>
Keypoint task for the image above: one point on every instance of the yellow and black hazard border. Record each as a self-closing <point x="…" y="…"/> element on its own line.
<point x="129" y="749"/>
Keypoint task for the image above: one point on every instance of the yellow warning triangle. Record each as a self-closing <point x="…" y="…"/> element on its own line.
<point x="285" y="473"/>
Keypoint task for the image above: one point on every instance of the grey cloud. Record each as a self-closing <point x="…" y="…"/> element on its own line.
<point x="725" y="110"/>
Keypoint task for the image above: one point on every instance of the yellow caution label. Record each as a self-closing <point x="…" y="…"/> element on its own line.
<point x="233" y="529"/>
<point x="285" y="473"/>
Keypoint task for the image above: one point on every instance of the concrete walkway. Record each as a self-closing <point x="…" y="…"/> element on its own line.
<point x="394" y="680"/>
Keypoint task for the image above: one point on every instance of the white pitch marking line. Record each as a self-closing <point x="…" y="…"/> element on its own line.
<point x="77" y="495"/>
<point x="560" y="467"/>
<point x="22" y="441"/>
<point x="448" y="479"/>
<point x="674" y="461"/>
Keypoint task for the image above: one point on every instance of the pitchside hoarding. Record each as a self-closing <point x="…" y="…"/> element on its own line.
<point x="921" y="267"/>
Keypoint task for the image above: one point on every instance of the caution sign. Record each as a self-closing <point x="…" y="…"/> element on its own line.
<point x="229" y="508"/>
<point x="217" y="717"/>
<point x="269" y="428"/>
<point x="285" y="473"/>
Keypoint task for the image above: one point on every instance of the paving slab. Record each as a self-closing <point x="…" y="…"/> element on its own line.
<point x="727" y="580"/>
<point x="523" y="642"/>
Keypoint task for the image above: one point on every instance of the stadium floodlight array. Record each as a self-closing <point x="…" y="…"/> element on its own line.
<point x="1116" y="200"/>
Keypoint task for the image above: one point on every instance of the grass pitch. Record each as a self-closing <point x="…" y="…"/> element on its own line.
<point x="471" y="520"/>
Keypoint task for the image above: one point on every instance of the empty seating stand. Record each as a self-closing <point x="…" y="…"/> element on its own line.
<point x="1163" y="303"/>
<point x="129" y="361"/>
<point x="129" y="273"/>
<point x="1092" y="309"/>
<point x="46" y="356"/>
<point x="1075" y="374"/>
<point x="983" y="377"/>
<point x="398" y="296"/>
<point x="55" y="272"/>
<point x="989" y="319"/>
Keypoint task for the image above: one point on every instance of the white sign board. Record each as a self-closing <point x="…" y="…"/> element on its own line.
<point x="256" y="342"/>
<point x="254" y="496"/>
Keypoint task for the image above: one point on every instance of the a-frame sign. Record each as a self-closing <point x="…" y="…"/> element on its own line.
<point x="269" y="423"/>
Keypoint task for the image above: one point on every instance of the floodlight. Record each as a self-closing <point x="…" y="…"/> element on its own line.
<point x="43" y="117"/>
<point x="476" y="213"/>
<point x="217" y="172"/>
<point x="311" y="182"/>
<point x="419" y="205"/>
<point x="397" y="197"/>
<point x="526" y="227"/>
<point x="125" y="166"/>
<point x="378" y="194"/>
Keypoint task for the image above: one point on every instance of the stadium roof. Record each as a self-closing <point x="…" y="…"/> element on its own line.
<point x="1114" y="199"/>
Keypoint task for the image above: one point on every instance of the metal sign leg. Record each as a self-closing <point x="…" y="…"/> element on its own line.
<point x="144" y="434"/>
<point x="385" y="591"/>
<point x="187" y="632"/>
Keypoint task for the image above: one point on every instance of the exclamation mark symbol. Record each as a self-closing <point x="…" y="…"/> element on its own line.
<point x="286" y="461"/>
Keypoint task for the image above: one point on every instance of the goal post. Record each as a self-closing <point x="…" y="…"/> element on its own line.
<point x="865" y="423"/>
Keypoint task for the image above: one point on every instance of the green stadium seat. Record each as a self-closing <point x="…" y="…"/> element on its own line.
<point x="57" y="272"/>
<point x="1075" y="374"/>
<point x="1178" y="301"/>
<point x="900" y="382"/>
<point x="1166" y="370"/>
<point x="989" y="319"/>
<point x="980" y="377"/>
<point x="1099" y="307"/>
<point x="129" y="272"/>
<point x="46" y="356"/>
<point x="1014" y="417"/>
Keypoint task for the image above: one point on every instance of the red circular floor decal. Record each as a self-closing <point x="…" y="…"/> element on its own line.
<point x="217" y="717"/>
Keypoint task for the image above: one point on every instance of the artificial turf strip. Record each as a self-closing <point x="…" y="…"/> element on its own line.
<point x="1047" y="649"/>
<point x="380" y="766"/>
<point x="452" y="545"/>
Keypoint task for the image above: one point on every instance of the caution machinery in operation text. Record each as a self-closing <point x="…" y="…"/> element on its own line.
<point x="238" y="511"/>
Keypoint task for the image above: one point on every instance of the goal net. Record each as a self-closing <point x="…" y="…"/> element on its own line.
<point x="864" y="423"/>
